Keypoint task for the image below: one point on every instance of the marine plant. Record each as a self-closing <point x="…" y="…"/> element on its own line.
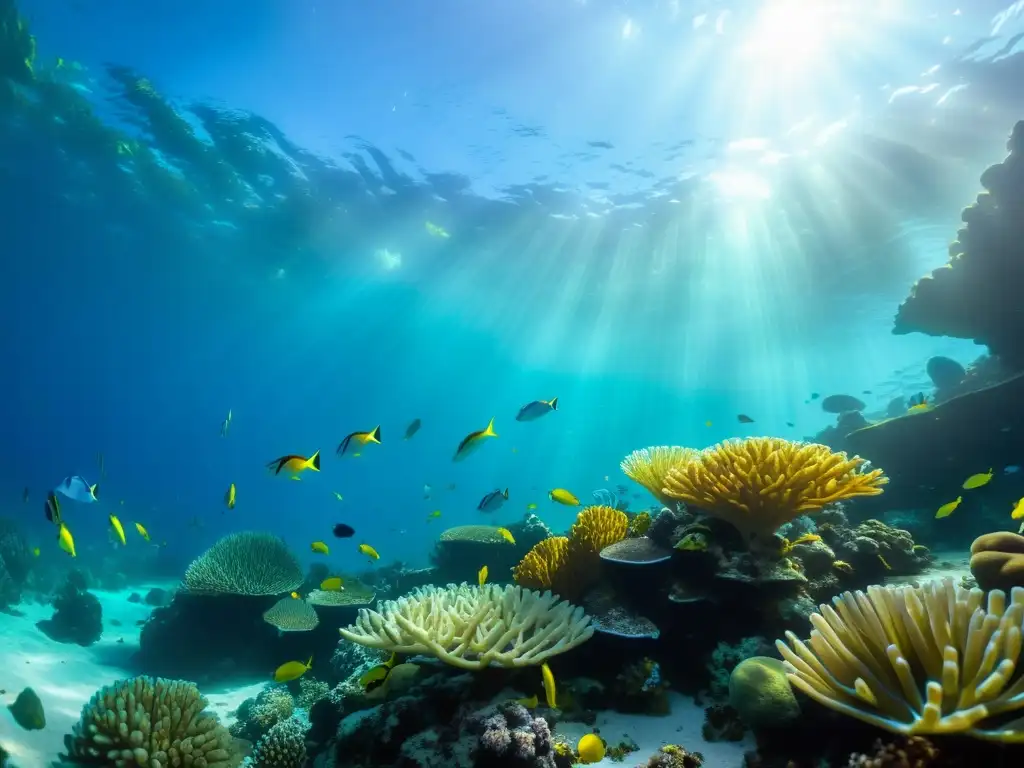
<point x="474" y="627"/>
<point x="650" y="466"/>
<point x="931" y="659"/>
<point x="150" y="722"/>
<point x="245" y="563"/>
<point x="760" y="483"/>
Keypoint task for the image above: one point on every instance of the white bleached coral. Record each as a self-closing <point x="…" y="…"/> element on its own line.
<point x="474" y="627"/>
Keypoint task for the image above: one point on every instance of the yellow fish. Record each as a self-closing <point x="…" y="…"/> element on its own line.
<point x="66" y="540"/>
<point x="531" y="505"/>
<point x="707" y="423"/>
<point x="296" y="596"/>
<point x="376" y="676"/>
<point x="693" y="542"/>
<point x="142" y="531"/>
<point x="229" y="497"/>
<point x="118" y="529"/>
<point x="978" y="480"/>
<point x="563" y="496"/>
<point x="332" y="584"/>
<point x="433" y="515"/>
<point x="884" y="563"/>
<point x="320" y="548"/>
<point x="474" y="440"/>
<point x="353" y="444"/>
<point x="35" y="551"/>
<point x="435" y="230"/>
<point x="506" y="534"/>
<point x="295" y="464"/>
<point x="481" y="576"/>
<point x="1018" y="509"/>
<point x="338" y="496"/>
<point x="919" y="404"/>
<point x="292" y="670"/>
<point x="549" y="685"/>
<point x="369" y="551"/>
<point x="529" y="703"/>
<point x="947" y="509"/>
<point x="591" y="749"/>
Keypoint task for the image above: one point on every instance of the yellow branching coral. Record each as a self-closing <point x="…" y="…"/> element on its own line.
<point x="539" y="567"/>
<point x="761" y="483"/>
<point x="650" y="467"/>
<point x="931" y="659"/>
<point x="567" y="566"/>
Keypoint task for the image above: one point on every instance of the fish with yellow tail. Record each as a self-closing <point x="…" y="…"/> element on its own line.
<point x="548" y="679"/>
<point x="229" y="497"/>
<point x="529" y="702"/>
<point x="536" y="409"/>
<point x="474" y="440"/>
<point x="118" y="529"/>
<point x="65" y="540"/>
<point x="353" y="444"/>
<point x="481" y="576"/>
<point x="320" y="548"/>
<point x="978" y="480"/>
<point x="295" y="464"/>
<point x="948" y="508"/>
<point x="369" y="551"/>
<point x="562" y="496"/>
<point x="292" y="670"/>
<point x="142" y="531"/>
<point x="1018" y="509"/>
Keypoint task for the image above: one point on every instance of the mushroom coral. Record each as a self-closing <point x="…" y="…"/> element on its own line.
<point x="761" y="483"/>
<point x="977" y="294"/>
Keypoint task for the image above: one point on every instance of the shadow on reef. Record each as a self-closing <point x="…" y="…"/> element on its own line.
<point x="77" y="615"/>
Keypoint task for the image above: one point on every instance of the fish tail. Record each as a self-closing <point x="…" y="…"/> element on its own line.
<point x="314" y="461"/>
<point x="94" y="491"/>
<point x="490" y="429"/>
<point x="309" y="663"/>
<point x="505" y="494"/>
<point x="554" y="403"/>
<point x="375" y="435"/>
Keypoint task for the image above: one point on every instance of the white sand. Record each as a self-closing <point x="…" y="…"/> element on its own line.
<point x="65" y="676"/>
<point x="682" y="726"/>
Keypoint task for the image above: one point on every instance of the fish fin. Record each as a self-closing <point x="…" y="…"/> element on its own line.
<point x="505" y="494"/>
<point x="489" y="432"/>
<point x="375" y="435"/>
<point x="314" y="461"/>
<point x="94" y="490"/>
<point x="309" y="663"/>
<point x="553" y="402"/>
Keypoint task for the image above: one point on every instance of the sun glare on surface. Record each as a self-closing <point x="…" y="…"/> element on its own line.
<point x="794" y="34"/>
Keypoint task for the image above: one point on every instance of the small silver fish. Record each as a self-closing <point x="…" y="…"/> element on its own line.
<point x="225" y="425"/>
<point x="536" y="409"/>
<point x="492" y="501"/>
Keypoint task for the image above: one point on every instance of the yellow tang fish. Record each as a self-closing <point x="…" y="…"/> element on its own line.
<point x="474" y="440"/>
<point x="549" y="685"/>
<point x="947" y="509"/>
<point x="118" y="529"/>
<point x="1018" y="509"/>
<point x="352" y="444"/>
<point x="591" y="749"/>
<point x="506" y="534"/>
<point x="66" y="540"/>
<point x="369" y="551"/>
<point x="320" y="548"/>
<point x="296" y="596"/>
<point x="142" y="531"/>
<point x="332" y="584"/>
<point x="481" y="576"/>
<point x="295" y="464"/>
<point x="292" y="670"/>
<point x="978" y="480"/>
<point x="529" y="703"/>
<point x="229" y="497"/>
<point x="563" y="496"/>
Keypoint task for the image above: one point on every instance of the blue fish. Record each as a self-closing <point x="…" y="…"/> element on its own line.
<point x="492" y="501"/>
<point x="536" y="409"/>
<point x="77" y="489"/>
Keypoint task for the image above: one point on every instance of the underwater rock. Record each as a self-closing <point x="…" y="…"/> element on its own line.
<point x="760" y="692"/>
<point x="663" y="530"/>
<point x="609" y="617"/>
<point x="15" y="562"/>
<point x="27" y="711"/>
<point x="134" y="597"/>
<point x="945" y="372"/>
<point x="459" y="552"/>
<point x="842" y="404"/>
<point x="965" y="434"/>
<point x="997" y="560"/>
<point x="674" y="756"/>
<point x="157" y="597"/>
<point x="640" y="688"/>
<point x="727" y="656"/>
<point x="77" y="617"/>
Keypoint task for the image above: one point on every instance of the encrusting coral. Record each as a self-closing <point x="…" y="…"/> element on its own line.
<point x="474" y="627"/>
<point x="760" y="483"/>
<point x="245" y="563"/>
<point x="150" y="722"/>
<point x="916" y="660"/>
<point x="650" y="466"/>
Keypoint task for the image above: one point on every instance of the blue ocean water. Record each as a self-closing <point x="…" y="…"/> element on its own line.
<point x="651" y="213"/>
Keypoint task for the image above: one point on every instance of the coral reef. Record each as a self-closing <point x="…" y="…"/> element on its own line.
<point x="15" y="562"/>
<point x="650" y="467"/>
<point x="245" y="563"/>
<point x="915" y="660"/>
<point x="761" y="694"/>
<point x="906" y="752"/>
<point x="255" y="717"/>
<point x="726" y="656"/>
<point x="872" y="550"/>
<point x="975" y="295"/>
<point x="997" y="560"/>
<point x="283" y="746"/>
<point x="509" y="737"/>
<point x="150" y="722"/>
<point x="673" y="756"/>
<point x="292" y="615"/>
<point x="459" y="552"/>
<point x="77" y="616"/>
<point x="640" y="687"/>
<point x="474" y="627"/>
<point x="760" y="483"/>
